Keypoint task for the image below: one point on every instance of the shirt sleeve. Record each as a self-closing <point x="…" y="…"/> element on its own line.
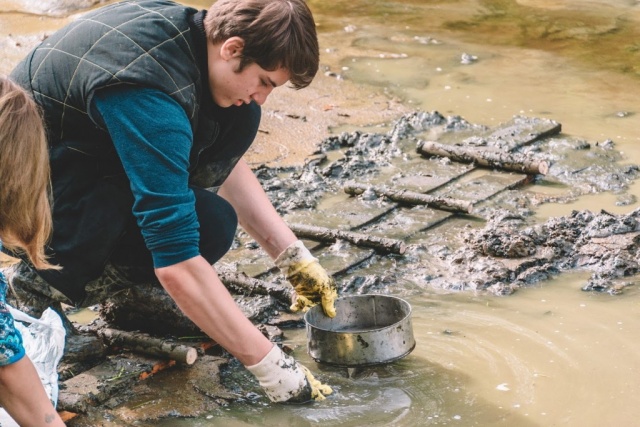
<point x="11" y="346"/>
<point x="152" y="136"/>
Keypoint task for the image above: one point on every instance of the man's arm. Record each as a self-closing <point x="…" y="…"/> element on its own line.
<point x="255" y="212"/>
<point x="153" y="138"/>
<point x="260" y="219"/>
<point x="195" y="287"/>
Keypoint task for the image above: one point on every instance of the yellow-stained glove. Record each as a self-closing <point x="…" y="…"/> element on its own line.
<point x="319" y="391"/>
<point x="285" y="380"/>
<point x="311" y="282"/>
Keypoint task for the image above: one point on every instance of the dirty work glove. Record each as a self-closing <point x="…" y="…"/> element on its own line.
<point x="319" y="391"/>
<point x="285" y="380"/>
<point x="312" y="283"/>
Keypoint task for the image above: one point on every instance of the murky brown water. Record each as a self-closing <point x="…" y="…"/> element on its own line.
<point x="542" y="357"/>
<point x="550" y="355"/>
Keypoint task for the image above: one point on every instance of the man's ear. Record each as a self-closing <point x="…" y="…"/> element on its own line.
<point x="232" y="48"/>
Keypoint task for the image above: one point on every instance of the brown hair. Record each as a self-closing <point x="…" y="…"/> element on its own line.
<point x="25" y="212"/>
<point x="276" y="33"/>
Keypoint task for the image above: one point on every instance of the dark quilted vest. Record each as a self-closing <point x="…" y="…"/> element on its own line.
<point x="151" y="43"/>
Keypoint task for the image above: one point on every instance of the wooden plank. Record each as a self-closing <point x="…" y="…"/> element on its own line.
<point x="509" y="136"/>
<point x="418" y="174"/>
<point x="486" y="157"/>
<point x="404" y="223"/>
<point x="330" y="235"/>
<point x="482" y="185"/>
<point x="341" y="211"/>
<point x="406" y="197"/>
<point x="95" y="386"/>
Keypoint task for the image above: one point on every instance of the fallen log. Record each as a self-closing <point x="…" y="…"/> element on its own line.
<point x="516" y="162"/>
<point x="412" y="198"/>
<point x="148" y="308"/>
<point x="242" y="283"/>
<point x="328" y="235"/>
<point x="142" y="343"/>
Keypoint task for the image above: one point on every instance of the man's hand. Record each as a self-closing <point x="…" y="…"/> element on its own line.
<point x="285" y="380"/>
<point x="311" y="282"/>
<point x="319" y="391"/>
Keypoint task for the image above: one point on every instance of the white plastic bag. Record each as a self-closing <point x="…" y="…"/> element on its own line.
<point x="43" y="341"/>
<point x="6" y="420"/>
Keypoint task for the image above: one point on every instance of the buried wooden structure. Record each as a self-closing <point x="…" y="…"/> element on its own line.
<point x="488" y="157"/>
<point x="412" y="198"/>
<point x="139" y="342"/>
<point x="440" y="194"/>
<point x="328" y="235"/>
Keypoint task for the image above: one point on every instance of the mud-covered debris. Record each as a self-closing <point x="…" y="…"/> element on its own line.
<point x="505" y="255"/>
<point x="363" y="154"/>
<point x="466" y="58"/>
<point x="417" y="122"/>
<point x="585" y="167"/>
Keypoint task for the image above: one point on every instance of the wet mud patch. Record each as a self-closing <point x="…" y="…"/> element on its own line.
<point x="506" y="255"/>
<point x="498" y="247"/>
<point x="55" y="8"/>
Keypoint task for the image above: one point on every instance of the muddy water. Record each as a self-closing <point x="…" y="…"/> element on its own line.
<point x="550" y="355"/>
<point x="545" y="356"/>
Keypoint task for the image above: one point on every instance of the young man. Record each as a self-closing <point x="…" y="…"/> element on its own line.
<point x="150" y="106"/>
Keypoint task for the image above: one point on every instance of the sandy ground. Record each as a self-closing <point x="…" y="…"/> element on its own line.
<point x="295" y="121"/>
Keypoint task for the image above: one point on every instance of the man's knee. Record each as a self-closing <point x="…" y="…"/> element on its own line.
<point x="218" y="223"/>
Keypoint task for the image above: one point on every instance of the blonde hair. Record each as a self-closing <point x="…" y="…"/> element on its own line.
<point x="25" y="210"/>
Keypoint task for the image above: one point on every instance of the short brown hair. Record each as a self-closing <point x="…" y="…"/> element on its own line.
<point x="25" y="210"/>
<point x="276" y="33"/>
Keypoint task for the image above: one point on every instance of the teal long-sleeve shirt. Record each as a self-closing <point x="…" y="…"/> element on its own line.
<point x="153" y="138"/>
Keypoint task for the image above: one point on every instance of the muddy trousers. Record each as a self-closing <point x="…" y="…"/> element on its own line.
<point x="130" y="264"/>
<point x="120" y="260"/>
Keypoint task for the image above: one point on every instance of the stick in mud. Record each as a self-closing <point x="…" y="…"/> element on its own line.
<point x="245" y="284"/>
<point x="328" y="235"/>
<point x="145" y="344"/>
<point x="412" y="198"/>
<point x="515" y="162"/>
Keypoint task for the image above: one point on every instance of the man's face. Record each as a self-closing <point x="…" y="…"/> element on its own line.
<point x="230" y="87"/>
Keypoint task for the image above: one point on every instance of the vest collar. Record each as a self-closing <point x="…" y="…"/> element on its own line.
<point x="196" y="22"/>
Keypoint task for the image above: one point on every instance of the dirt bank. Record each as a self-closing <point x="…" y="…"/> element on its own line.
<point x="294" y="122"/>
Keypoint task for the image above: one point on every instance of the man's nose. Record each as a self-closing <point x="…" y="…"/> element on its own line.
<point x="260" y="97"/>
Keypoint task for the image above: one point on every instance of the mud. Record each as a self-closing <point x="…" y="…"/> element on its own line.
<point x="55" y="8"/>
<point x="506" y="253"/>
